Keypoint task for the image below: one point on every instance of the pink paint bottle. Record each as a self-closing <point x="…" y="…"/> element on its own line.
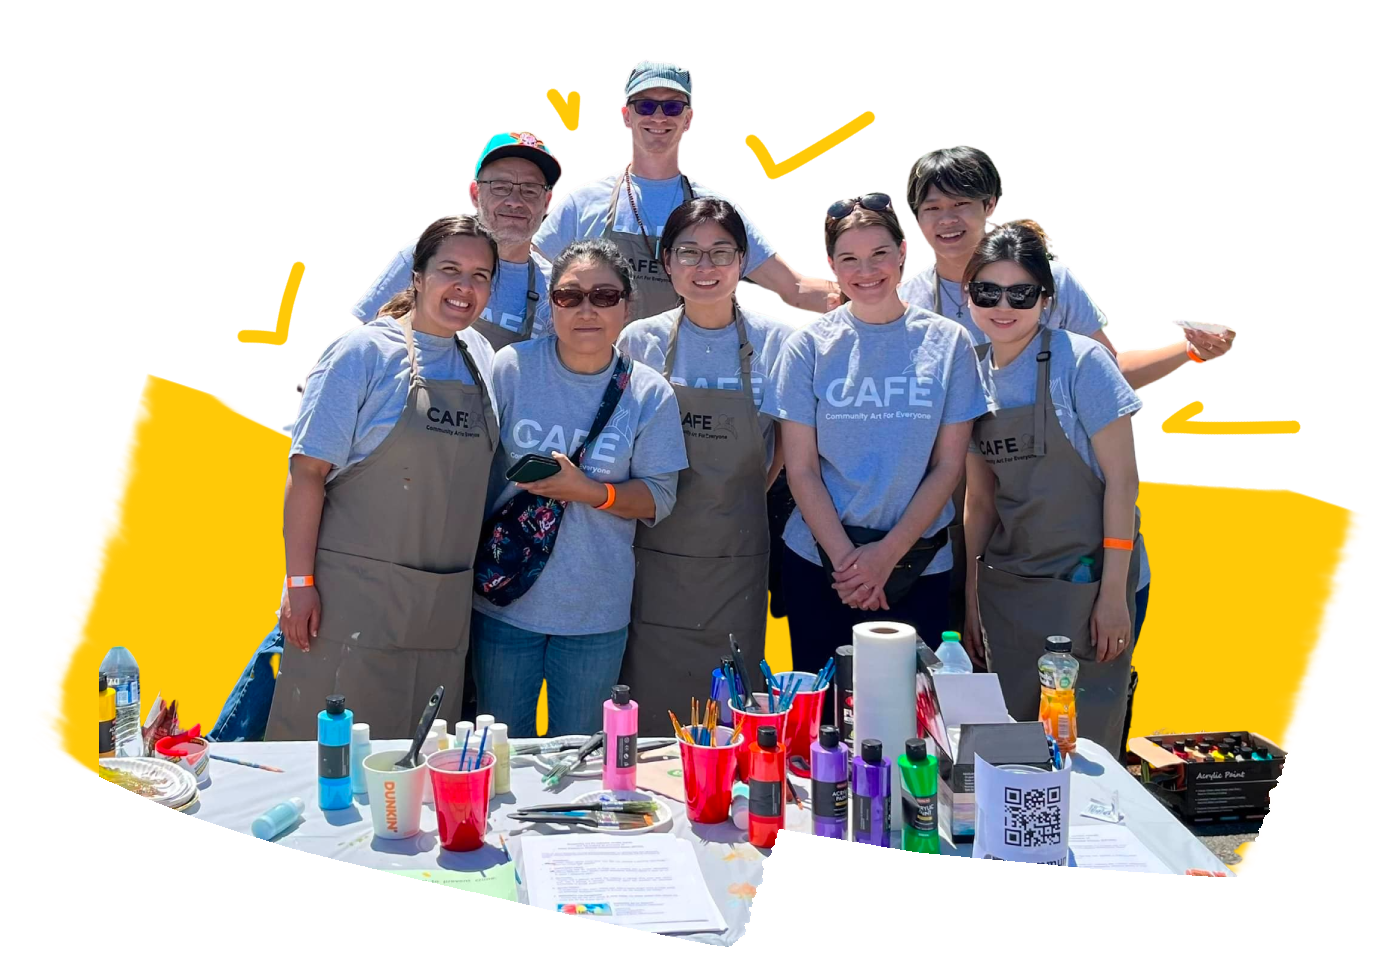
<point x="620" y="719"/>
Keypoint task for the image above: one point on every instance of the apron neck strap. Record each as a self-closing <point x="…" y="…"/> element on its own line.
<point x="1044" y="399"/>
<point x="531" y="298"/>
<point x="610" y="225"/>
<point x="744" y="349"/>
<point x="405" y="323"/>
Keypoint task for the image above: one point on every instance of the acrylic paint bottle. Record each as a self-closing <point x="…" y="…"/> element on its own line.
<point x="829" y="785"/>
<point x="463" y="733"/>
<point x="620" y="718"/>
<point x="499" y="745"/>
<point x="918" y="771"/>
<point x="333" y="733"/>
<point x="106" y="719"/>
<point x="843" y="693"/>
<point x="359" y="750"/>
<point x="766" y="784"/>
<point x="278" y="819"/>
<point x="873" y="783"/>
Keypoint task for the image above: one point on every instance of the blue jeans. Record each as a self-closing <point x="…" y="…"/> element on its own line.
<point x="510" y="665"/>
<point x="244" y="715"/>
<point x="1142" y="601"/>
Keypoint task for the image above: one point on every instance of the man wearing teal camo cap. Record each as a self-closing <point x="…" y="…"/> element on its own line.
<point x="631" y="207"/>
<point x="513" y="184"/>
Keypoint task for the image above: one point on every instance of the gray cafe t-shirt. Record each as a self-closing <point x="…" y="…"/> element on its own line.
<point x="1088" y="392"/>
<point x="876" y="394"/>
<point x="543" y="407"/>
<point x="708" y="358"/>
<point x="509" y="293"/>
<point x="1071" y="308"/>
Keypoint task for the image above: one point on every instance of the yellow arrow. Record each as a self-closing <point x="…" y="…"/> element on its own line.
<point x="1179" y="422"/>
<point x="283" y="318"/>
<point x="569" y="110"/>
<point x="775" y="171"/>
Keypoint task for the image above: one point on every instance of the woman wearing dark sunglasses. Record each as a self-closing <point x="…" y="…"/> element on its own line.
<point x="570" y="626"/>
<point x="700" y="574"/>
<point x="875" y="401"/>
<point x="1052" y="532"/>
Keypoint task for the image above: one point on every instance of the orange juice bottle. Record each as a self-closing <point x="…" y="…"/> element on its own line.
<point x="1057" y="698"/>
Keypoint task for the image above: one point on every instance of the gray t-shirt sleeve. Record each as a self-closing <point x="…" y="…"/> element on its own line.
<point x="335" y="391"/>
<point x="1075" y="310"/>
<point x="759" y="249"/>
<point x="965" y="395"/>
<point x="558" y="230"/>
<point x="659" y="453"/>
<point x="1100" y="393"/>
<point x="794" y="398"/>
<point x="395" y="277"/>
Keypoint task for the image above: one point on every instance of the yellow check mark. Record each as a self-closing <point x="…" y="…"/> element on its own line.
<point x="775" y="171"/>
<point x="283" y="318"/>
<point x="569" y="111"/>
<point x="1179" y="422"/>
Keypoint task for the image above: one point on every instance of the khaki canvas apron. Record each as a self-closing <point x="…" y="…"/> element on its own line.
<point x="654" y="294"/>
<point x="1050" y="514"/>
<point x="394" y="565"/>
<point x="500" y="336"/>
<point x="700" y="573"/>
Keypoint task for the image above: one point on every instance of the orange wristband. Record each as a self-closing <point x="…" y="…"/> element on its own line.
<point x="300" y="580"/>
<point x="610" y="497"/>
<point x="1111" y="543"/>
<point x="1194" y="355"/>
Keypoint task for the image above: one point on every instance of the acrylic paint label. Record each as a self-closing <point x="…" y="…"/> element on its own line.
<point x="625" y="751"/>
<point x="863" y="814"/>
<point x="106" y="738"/>
<point x="764" y="798"/>
<point x="830" y="799"/>
<point x="919" y="813"/>
<point x="334" y="762"/>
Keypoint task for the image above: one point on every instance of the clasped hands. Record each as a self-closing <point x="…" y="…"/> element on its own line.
<point x="860" y="576"/>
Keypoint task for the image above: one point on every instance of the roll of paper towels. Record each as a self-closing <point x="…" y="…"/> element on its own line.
<point x="885" y="692"/>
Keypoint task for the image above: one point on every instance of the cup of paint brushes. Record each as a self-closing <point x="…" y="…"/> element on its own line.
<point x="461" y="790"/>
<point x="395" y="794"/>
<point x="709" y="773"/>
<point x="756" y="717"/>
<point x="802" y="719"/>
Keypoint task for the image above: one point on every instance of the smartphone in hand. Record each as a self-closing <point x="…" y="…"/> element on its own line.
<point x="532" y="468"/>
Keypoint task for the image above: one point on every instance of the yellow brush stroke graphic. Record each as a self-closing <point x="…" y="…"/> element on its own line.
<point x="1234" y="608"/>
<point x="283" y="317"/>
<point x="570" y="110"/>
<point x="1179" y="422"/>
<point x="775" y="171"/>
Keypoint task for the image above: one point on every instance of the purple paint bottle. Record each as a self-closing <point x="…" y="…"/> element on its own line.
<point x="829" y="784"/>
<point x="873" y="787"/>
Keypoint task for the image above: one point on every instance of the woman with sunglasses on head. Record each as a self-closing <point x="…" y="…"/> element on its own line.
<point x="702" y="573"/>
<point x="875" y="401"/>
<point x="569" y="627"/>
<point x="1052" y="532"/>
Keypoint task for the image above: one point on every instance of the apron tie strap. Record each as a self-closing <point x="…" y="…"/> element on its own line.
<point x="1045" y="400"/>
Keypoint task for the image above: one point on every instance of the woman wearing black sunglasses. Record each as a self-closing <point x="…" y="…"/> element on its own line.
<point x="875" y="401"/>
<point x="570" y="626"/>
<point x="1052" y="532"/>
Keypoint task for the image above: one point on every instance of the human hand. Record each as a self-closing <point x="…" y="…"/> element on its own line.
<point x="971" y="637"/>
<point x="300" y="616"/>
<point x="568" y="483"/>
<point x="1209" y="346"/>
<point x="1110" y="626"/>
<point x="863" y="576"/>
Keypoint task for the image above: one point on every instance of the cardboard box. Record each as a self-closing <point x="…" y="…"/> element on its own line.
<point x="1208" y="792"/>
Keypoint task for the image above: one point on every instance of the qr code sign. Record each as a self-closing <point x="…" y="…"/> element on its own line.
<point x="1032" y="818"/>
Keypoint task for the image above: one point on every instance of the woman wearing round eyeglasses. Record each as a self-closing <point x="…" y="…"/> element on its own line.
<point x="701" y="575"/>
<point x="1052" y="532"/>
<point x="569" y="628"/>
<point x="875" y="401"/>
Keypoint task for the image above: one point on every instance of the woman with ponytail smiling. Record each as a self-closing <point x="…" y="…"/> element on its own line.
<point x="1052" y="532"/>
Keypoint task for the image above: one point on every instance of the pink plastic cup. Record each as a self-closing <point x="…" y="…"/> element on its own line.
<point x="751" y="722"/>
<point x="803" y="721"/>
<point x="709" y="772"/>
<point x="462" y="798"/>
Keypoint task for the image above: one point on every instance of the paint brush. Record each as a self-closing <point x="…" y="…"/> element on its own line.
<point x="744" y="679"/>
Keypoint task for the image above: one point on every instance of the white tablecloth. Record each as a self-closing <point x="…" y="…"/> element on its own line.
<point x="732" y="868"/>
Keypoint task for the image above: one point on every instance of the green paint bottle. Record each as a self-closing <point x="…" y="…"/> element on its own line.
<point x="919" y="829"/>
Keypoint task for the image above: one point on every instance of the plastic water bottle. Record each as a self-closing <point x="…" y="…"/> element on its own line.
<point x="1057" y="699"/>
<point x="1082" y="573"/>
<point x="125" y="677"/>
<point x="952" y="655"/>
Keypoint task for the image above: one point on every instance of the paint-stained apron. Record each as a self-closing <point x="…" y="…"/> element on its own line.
<point x="1050" y="515"/>
<point x="653" y="293"/>
<point x="394" y="565"/>
<point x="500" y="336"/>
<point x="701" y="573"/>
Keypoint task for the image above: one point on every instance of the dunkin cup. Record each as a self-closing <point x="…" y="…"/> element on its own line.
<point x="803" y="721"/>
<point x="753" y="720"/>
<point x="395" y="794"/>
<point x="709" y="772"/>
<point x="462" y="798"/>
<point x="192" y="754"/>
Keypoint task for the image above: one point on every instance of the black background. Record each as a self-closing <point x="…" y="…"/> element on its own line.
<point x="1178" y="200"/>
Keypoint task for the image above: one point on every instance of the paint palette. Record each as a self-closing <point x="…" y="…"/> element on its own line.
<point x="158" y="780"/>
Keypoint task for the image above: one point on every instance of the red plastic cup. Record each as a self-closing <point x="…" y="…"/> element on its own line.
<point x="751" y="722"/>
<point x="803" y="721"/>
<point x="709" y="773"/>
<point x="462" y="798"/>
